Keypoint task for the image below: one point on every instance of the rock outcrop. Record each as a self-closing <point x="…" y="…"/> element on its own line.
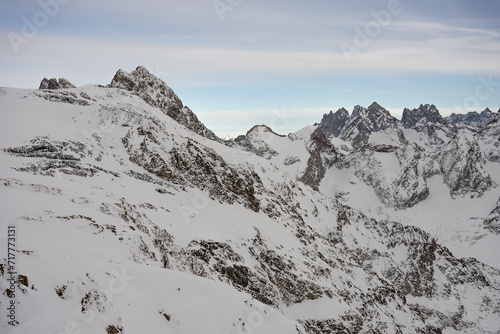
<point x="157" y="94"/>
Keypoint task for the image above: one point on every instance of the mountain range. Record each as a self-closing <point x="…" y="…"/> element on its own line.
<point x="132" y="216"/>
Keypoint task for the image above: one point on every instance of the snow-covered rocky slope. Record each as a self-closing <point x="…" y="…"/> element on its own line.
<point x="131" y="217"/>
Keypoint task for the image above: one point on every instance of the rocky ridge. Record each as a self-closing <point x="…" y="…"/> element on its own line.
<point x="157" y="94"/>
<point x="472" y="118"/>
<point x="460" y="153"/>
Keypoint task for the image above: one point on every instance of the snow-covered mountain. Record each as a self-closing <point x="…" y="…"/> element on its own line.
<point x="131" y="216"/>
<point x="472" y="118"/>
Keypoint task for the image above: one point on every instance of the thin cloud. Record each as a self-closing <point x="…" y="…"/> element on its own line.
<point x="434" y="28"/>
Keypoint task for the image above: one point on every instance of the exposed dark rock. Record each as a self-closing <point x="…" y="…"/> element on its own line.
<point x="49" y="84"/>
<point x="333" y="123"/>
<point x="427" y="119"/>
<point x="255" y="141"/>
<point x="461" y="162"/>
<point x="363" y="122"/>
<point x="383" y="148"/>
<point x="65" y="84"/>
<point x="472" y="118"/>
<point x="23" y="280"/>
<point x="492" y="222"/>
<point x="62" y="96"/>
<point x="323" y="156"/>
<point x="424" y="114"/>
<point x="157" y="94"/>
<point x="53" y="84"/>
<point x="357" y="128"/>
<point x="489" y="136"/>
<point x="113" y="329"/>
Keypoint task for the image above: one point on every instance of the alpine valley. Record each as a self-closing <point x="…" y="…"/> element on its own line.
<point x="130" y="216"/>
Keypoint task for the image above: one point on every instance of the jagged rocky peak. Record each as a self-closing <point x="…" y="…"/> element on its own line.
<point x="358" y="111"/>
<point x="156" y="93"/>
<point x="424" y="114"/>
<point x="151" y="89"/>
<point x="363" y="122"/>
<point x="380" y="117"/>
<point x="426" y="119"/>
<point x="140" y="80"/>
<point x="472" y="118"/>
<point x="53" y="83"/>
<point x="357" y="127"/>
<point x="373" y="118"/>
<point x="333" y="123"/>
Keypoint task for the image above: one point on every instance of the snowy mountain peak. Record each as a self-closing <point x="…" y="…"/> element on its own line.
<point x="157" y="94"/>
<point x="379" y="108"/>
<point x="262" y="129"/>
<point x="258" y="140"/>
<point x="357" y="127"/>
<point x="423" y="114"/>
<point x="363" y="122"/>
<point x="381" y="117"/>
<point x="228" y="138"/>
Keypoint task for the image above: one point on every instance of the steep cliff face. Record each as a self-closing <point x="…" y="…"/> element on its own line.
<point x="333" y="123"/>
<point x="323" y="156"/>
<point x="489" y="138"/>
<point x="462" y="162"/>
<point x="492" y="222"/>
<point x="398" y="176"/>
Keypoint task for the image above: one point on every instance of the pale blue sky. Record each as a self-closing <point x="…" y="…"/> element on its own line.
<point x="237" y="63"/>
